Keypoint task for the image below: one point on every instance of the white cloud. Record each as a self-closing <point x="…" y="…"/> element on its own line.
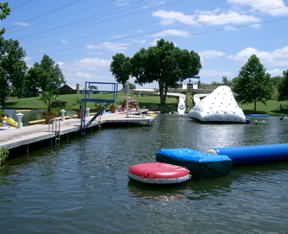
<point x="208" y="76"/>
<point x="278" y="57"/>
<point x="84" y="75"/>
<point x="172" y="32"/>
<point x="22" y="24"/>
<point x="211" y="54"/>
<point x="87" y="69"/>
<point x="154" y="42"/>
<point x="28" y="61"/>
<point x="172" y="17"/>
<point x="275" y="72"/>
<point x="109" y="46"/>
<point x="60" y="63"/>
<point x="94" y="62"/>
<point x="271" y="7"/>
<point x="215" y="17"/>
<point x="234" y="18"/>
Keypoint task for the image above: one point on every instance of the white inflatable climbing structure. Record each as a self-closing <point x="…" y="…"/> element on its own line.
<point x="219" y="106"/>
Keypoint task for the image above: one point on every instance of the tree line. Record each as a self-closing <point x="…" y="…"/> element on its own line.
<point x="167" y="64"/>
<point x="163" y="63"/>
<point x="16" y="78"/>
<point x="254" y="84"/>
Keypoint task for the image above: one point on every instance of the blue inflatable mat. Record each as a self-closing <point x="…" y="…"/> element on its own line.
<point x="254" y="154"/>
<point x="199" y="163"/>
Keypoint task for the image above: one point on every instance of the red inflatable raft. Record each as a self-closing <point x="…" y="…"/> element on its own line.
<point x="158" y="173"/>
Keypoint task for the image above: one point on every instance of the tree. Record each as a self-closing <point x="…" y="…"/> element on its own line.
<point x="12" y="61"/>
<point x="4" y="87"/>
<point x="32" y="84"/>
<point x="283" y="87"/>
<point x="51" y="77"/>
<point x="166" y="64"/>
<point x="4" y="12"/>
<point x="48" y="97"/>
<point x="131" y="86"/>
<point x="12" y="69"/>
<point x="275" y="82"/>
<point x="47" y="75"/>
<point x="121" y="68"/>
<point x="253" y="83"/>
<point x="226" y="81"/>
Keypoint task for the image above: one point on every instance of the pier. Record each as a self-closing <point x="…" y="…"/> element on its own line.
<point x="27" y="135"/>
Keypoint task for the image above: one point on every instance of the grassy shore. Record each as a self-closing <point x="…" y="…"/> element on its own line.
<point x="73" y="102"/>
<point x="150" y="102"/>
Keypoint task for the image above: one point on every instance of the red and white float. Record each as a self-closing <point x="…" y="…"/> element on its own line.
<point x="158" y="173"/>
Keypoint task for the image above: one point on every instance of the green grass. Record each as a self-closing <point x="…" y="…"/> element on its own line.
<point x="149" y="102"/>
<point x="73" y="101"/>
<point x="271" y="107"/>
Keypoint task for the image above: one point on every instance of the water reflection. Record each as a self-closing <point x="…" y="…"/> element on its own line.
<point x="156" y="192"/>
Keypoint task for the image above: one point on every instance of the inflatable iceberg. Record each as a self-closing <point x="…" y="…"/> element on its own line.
<point x="219" y="106"/>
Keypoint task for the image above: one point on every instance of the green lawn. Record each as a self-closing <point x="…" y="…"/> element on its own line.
<point x="73" y="101"/>
<point x="271" y="107"/>
<point x="149" y="102"/>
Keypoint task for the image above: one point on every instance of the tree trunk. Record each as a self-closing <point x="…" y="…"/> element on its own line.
<point x="162" y="94"/>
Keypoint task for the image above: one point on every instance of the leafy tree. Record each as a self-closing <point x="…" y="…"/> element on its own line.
<point x="47" y="75"/>
<point x="275" y="82"/>
<point x="121" y="68"/>
<point x="12" y="61"/>
<point x="131" y="86"/>
<point x="51" y="77"/>
<point x="3" y="75"/>
<point x="4" y="12"/>
<point x="283" y="87"/>
<point x="226" y="81"/>
<point x="253" y="83"/>
<point x="4" y="87"/>
<point x="32" y="84"/>
<point x="48" y="97"/>
<point x="12" y="69"/>
<point x="166" y="64"/>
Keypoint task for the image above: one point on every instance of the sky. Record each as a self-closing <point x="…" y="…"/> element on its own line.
<point x="82" y="36"/>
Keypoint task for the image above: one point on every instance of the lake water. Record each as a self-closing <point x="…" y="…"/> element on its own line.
<point x="81" y="186"/>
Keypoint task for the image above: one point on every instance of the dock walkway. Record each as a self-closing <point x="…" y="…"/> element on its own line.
<point x="27" y="135"/>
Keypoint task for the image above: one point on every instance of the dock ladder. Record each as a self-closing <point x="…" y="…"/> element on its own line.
<point x="101" y="96"/>
<point x="54" y="126"/>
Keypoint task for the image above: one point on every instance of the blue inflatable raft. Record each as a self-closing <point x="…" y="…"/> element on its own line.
<point x="200" y="164"/>
<point x="254" y="154"/>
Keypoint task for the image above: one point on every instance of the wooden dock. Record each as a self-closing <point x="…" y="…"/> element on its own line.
<point x="27" y="135"/>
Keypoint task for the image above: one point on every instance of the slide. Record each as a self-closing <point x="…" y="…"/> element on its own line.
<point x="11" y="122"/>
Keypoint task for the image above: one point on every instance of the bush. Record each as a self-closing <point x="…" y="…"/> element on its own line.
<point x="58" y="104"/>
<point x="4" y="153"/>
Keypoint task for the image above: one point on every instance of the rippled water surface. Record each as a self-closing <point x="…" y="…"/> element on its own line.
<point x="81" y="185"/>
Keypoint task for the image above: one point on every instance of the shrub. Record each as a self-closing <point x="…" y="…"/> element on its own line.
<point x="4" y="153"/>
<point x="58" y="104"/>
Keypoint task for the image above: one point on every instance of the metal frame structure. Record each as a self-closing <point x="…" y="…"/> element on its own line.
<point x="86" y="99"/>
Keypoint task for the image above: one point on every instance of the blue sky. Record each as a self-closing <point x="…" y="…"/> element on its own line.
<point x="82" y="36"/>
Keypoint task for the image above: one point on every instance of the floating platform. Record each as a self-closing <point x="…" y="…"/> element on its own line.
<point x="254" y="154"/>
<point x="27" y="135"/>
<point x="200" y="164"/>
<point x="158" y="173"/>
